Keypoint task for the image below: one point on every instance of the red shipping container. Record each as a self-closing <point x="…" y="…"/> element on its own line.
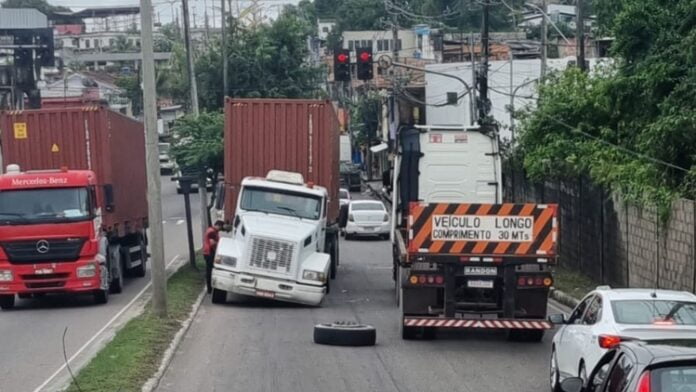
<point x="282" y="134"/>
<point x="92" y="138"/>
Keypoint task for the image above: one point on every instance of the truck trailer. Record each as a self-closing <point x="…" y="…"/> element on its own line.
<point x="73" y="203"/>
<point x="463" y="259"/>
<point x="280" y="197"/>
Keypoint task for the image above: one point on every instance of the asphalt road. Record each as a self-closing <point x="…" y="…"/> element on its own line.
<point x="254" y="345"/>
<point x="31" y="334"/>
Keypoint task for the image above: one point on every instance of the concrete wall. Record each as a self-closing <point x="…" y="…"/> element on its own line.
<point x="612" y="241"/>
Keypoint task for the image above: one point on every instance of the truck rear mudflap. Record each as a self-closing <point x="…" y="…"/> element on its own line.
<point x="454" y="323"/>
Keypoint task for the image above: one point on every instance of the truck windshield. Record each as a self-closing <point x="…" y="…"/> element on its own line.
<point x="36" y="206"/>
<point x="281" y="202"/>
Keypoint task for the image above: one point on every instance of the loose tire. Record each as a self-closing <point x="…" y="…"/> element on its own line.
<point x="7" y="302"/>
<point x="345" y="334"/>
<point x="555" y="381"/>
<point x="219" y="296"/>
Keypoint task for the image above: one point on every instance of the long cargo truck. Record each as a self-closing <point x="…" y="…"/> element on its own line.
<point x="280" y="195"/>
<point x="73" y="203"/>
<point x="463" y="259"/>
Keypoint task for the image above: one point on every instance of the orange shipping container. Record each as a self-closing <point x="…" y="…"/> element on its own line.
<point x="283" y="134"/>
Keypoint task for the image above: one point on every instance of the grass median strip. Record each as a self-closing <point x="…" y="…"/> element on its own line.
<point x="134" y="354"/>
<point x="572" y="282"/>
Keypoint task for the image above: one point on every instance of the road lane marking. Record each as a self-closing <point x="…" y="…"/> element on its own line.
<point x="96" y="335"/>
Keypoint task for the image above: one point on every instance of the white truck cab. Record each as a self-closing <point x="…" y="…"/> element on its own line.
<point x="279" y="247"/>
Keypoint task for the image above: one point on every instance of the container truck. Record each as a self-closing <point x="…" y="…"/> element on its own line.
<point x="280" y="196"/>
<point x="463" y="259"/>
<point x="73" y="203"/>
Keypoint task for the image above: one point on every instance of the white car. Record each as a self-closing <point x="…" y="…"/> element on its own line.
<point x="607" y="316"/>
<point x="367" y="218"/>
<point x="343" y="196"/>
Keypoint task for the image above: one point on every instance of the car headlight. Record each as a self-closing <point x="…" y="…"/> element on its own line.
<point x="314" y="275"/>
<point x="226" y="260"/>
<point x="6" y="276"/>
<point x="88" y="271"/>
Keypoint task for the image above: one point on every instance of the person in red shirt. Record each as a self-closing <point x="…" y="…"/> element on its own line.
<point x="210" y="241"/>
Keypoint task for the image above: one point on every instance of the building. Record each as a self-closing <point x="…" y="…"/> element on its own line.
<point x="324" y="28"/>
<point x="414" y="43"/>
<point x="85" y="89"/>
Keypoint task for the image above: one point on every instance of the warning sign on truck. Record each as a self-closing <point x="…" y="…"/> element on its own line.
<point x="483" y="229"/>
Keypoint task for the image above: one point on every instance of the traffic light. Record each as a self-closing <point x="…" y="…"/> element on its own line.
<point x="364" y="63"/>
<point x="341" y="65"/>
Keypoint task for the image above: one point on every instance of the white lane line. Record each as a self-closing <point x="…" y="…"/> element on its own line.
<point x="180" y="222"/>
<point x="113" y="319"/>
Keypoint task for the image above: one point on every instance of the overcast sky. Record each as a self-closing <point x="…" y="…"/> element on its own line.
<point x="165" y="9"/>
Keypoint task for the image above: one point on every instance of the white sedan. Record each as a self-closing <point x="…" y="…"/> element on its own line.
<point x="343" y="196"/>
<point x="367" y="218"/>
<point x="607" y="316"/>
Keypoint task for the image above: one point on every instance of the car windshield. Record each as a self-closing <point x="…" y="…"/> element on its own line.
<point x="367" y="207"/>
<point x="35" y="206"/>
<point x="343" y="195"/>
<point x="281" y="202"/>
<point x="650" y="311"/>
<point x="674" y="379"/>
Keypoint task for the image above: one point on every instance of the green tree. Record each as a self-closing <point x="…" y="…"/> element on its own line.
<point x="132" y="90"/>
<point x="198" y="142"/>
<point x="631" y="127"/>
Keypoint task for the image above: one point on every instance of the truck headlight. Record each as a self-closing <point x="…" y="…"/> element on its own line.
<point x="226" y="260"/>
<point x="88" y="271"/>
<point x="6" y="276"/>
<point x="314" y="275"/>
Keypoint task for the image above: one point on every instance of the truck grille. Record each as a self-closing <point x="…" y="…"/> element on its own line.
<point x="54" y="250"/>
<point x="271" y="255"/>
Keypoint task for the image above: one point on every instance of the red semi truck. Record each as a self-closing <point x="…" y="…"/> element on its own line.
<point x="73" y="203"/>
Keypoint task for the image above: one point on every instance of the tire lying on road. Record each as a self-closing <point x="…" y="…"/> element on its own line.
<point x="345" y="334"/>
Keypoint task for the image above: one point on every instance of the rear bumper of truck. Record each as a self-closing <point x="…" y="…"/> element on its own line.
<point x="454" y="323"/>
<point x="49" y="278"/>
<point x="264" y="287"/>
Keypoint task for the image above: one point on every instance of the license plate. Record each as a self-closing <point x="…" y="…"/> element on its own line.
<point x="481" y="271"/>
<point x="480" y="284"/>
<point x="369" y="228"/>
<point x="265" y="294"/>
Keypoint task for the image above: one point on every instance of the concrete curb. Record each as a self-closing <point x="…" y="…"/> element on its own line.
<point x="154" y="381"/>
<point x="564" y="298"/>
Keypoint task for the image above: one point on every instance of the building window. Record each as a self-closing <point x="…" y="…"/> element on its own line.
<point x="96" y="43"/>
<point x="112" y="42"/>
<point x="386" y="45"/>
<point x="325" y="29"/>
<point x="380" y="45"/>
<point x="398" y="45"/>
<point x="363" y="44"/>
<point x="87" y="43"/>
<point x="76" y="42"/>
<point x="351" y="45"/>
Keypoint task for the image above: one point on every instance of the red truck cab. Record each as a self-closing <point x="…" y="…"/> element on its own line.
<point x="50" y="235"/>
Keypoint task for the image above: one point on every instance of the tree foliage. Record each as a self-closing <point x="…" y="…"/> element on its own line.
<point x="197" y="141"/>
<point x="632" y="126"/>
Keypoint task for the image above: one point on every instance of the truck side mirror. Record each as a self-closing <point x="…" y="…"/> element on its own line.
<point x="236" y="221"/>
<point x="343" y="216"/>
<point x="109" y="198"/>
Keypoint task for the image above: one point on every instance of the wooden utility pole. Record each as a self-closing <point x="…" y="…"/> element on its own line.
<point x="485" y="49"/>
<point x="193" y="88"/>
<point x="154" y="191"/>
<point x="580" y="42"/>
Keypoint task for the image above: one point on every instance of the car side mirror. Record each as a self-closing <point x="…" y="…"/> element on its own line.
<point x="572" y="384"/>
<point x="558" y="318"/>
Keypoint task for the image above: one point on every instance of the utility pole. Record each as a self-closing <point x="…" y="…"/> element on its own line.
<point x="483" y="76"/>
<point x="189" y="61"/>
<point x="581" y="35"/>
<point x="544" y="38"/>
<point x="225" y="60"/>
<point x="154" y="191"/>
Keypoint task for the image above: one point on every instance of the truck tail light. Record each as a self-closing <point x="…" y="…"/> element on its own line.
<point x="427" y="279"/>
<point x="608" y="341"/>
<point x="644" y="382"/>
<point x="534" y="281"/>
<point x="439" y="279"/>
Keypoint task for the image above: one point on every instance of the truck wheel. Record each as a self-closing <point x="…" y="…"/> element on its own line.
<point x="140" y="270"/>
<point x="101" y="296"/>
<point x="345" y="334"/>
<point x="116" y="285"/>
<point x="334" y="258"/>
<point x="219" y="296"/>
<point x="7" y="302"/>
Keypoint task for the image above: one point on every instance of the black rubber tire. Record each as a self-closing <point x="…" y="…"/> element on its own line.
<point x="24" y="296"/>
<point x="101" y="297"/>
<point x="116" y="286"/>
<point x="219" y="296"/>
<point x="7" y="302"/>
<point x="140" y="270"/>
<point x="555" y="385"/>
<point x="408" y="333"/>
<point x="345" y="334"/>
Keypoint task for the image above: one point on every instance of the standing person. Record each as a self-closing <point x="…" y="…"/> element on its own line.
<point x="210" y="241"/>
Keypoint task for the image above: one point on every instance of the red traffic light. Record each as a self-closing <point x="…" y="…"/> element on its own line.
<point x="365" y="57"/>
<point x="342" y="58"/>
